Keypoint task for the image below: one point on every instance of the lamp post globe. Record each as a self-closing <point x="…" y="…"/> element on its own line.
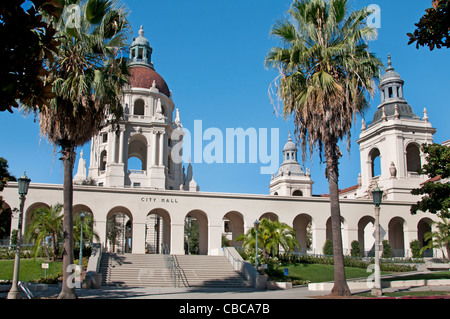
<point x="23" y="183"/>
<point x="377" y="196"/>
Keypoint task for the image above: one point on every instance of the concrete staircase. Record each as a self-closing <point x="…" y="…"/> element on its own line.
<point x="209" y="271"/>
<point x="130" y="270"/>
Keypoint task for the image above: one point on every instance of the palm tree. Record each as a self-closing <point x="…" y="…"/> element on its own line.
<point x="439" y="239"/>
<point x="88" y="229"/>
<point x="88" y="75"/>
<point x="271" y="236"/>
<point x="46" y="223"/>
<point x="326" y="70"/>
<point x="281" y="236"/>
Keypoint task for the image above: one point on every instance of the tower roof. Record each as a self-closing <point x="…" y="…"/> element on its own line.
<point x="143" y="74"/>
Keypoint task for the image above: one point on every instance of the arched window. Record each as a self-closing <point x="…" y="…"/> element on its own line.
<point x="375" y="162"/>
<point x="413" y="163"/>
<point x="297" y="193"/>
<point x="103" y="159"/>
<point x="139" y="107"/>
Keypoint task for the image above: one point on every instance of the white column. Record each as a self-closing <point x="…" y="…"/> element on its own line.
<point x="161" y="149"/>
<point x="153" y="147"/>
<point x="121" y="147"/>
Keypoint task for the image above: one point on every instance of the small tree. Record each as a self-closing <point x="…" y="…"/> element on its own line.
<point x="328" y="248"/>
<point x="415" y="249"/>
<point x="439" y="239"/>
<point x="355" y="250"/>
<point x="386" y="249"/>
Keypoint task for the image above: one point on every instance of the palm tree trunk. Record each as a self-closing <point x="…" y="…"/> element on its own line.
<point x="340" y="287"/>
<point x="68" y="287"/>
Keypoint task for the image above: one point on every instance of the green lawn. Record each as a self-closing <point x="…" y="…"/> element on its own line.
<point x="30" y="269"/>
<point x="319" y="272"/>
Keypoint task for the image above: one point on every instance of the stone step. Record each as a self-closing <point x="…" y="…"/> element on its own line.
<point x="150" y="271"/>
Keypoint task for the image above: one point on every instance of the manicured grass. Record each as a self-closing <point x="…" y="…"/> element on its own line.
<point x="319" y="272"/>
<point x="427" y="276"/>
<point x="30" y="269"/>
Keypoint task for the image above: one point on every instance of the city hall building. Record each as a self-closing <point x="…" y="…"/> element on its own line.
<point x="155" y="203"/>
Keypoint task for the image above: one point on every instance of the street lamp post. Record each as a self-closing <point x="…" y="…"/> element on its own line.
<point x="256" y="224"/>
<point x="23" y="183"/>
<point x="377" y="197"/>
<point x="82" y="216"/>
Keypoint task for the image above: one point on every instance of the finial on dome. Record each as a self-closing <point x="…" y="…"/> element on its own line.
<point x="389" y="61"/>
<point x="289" y="137"/>
<point x="141" y="31"/>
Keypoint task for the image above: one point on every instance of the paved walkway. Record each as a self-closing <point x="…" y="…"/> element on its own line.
<point x="209" y="293"/>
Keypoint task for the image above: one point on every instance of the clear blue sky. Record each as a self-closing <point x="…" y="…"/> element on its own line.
<point x="211" y="54"/>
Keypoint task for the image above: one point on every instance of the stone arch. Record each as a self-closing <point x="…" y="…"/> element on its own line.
<point x="157" y="231"/>
<point x="233" y="226"/>
<point x="5" y="223"/>
<point x="29" y="211"/>
<point x="297" y="192"/>
<point x="103" y="160"/>
<point x="397" y="236"/>
<point x="423" y="227"/>
<point x="201" y="218"/>
<point x="119" y="230"/>
<point x="366" y="228"/>
<point x="375" y="162"/>
<point x="137" y="148"/>
<point x="270" y="216"/>
<point x="329" y="233"/>
<point x="302" y="225"/>
<point x="139" y="107"/>
<point x="413" y="162"/>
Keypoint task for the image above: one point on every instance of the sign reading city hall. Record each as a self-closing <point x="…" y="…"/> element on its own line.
<point x="159" y="200"/>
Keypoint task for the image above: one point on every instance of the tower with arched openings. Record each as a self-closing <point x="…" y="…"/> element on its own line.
<point x="139" y="152"/>
<point x="390" y="146"/>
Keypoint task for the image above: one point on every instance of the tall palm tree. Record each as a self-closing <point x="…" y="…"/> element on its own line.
<point x="46" y="223"/>
<point x="326" y="71"/>
<point x="88" y="75"/>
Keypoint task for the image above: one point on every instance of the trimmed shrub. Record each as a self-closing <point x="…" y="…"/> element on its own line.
<point x="355" y="250"/>
<point x="415" y="249"/>
<point x="328" y="248"/>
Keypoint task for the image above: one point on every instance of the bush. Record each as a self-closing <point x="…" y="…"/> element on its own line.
<point x="328" y="248"/>
<point x="386" y="249"/>
<point x="355" y="250"/>
<point x="415" y="249"/>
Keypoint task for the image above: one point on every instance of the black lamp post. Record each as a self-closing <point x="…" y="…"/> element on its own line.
<point x="256" y="224"/>
<point x="23" y="183"/>
<point x="377" y="195"/>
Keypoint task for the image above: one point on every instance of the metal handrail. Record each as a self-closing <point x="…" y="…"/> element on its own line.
<point x="172" y="266"/>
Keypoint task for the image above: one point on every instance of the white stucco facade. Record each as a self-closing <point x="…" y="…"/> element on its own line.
<point x="161" y="188"/>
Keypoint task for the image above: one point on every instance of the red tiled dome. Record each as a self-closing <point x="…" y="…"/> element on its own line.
<point x="143" y="77"/>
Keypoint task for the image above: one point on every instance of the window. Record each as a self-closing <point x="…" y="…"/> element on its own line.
<point x="140" y="53"/>
<point x="103" y="159"/>
<point x="104" y="137"/>
<point x="297" y="193"/>
<point x="375" y="162"/>
<point x="139" y="107"/>
<point x="390" y="93"/>
<point x="413" y="162"/>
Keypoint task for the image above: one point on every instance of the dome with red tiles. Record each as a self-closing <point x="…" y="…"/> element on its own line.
<point x="143" y="77"/>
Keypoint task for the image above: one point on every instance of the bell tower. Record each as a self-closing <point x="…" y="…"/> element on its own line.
<point x="139" y="153"/>
<point x="290" y="179"/>
<point x="390" y="146"/>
